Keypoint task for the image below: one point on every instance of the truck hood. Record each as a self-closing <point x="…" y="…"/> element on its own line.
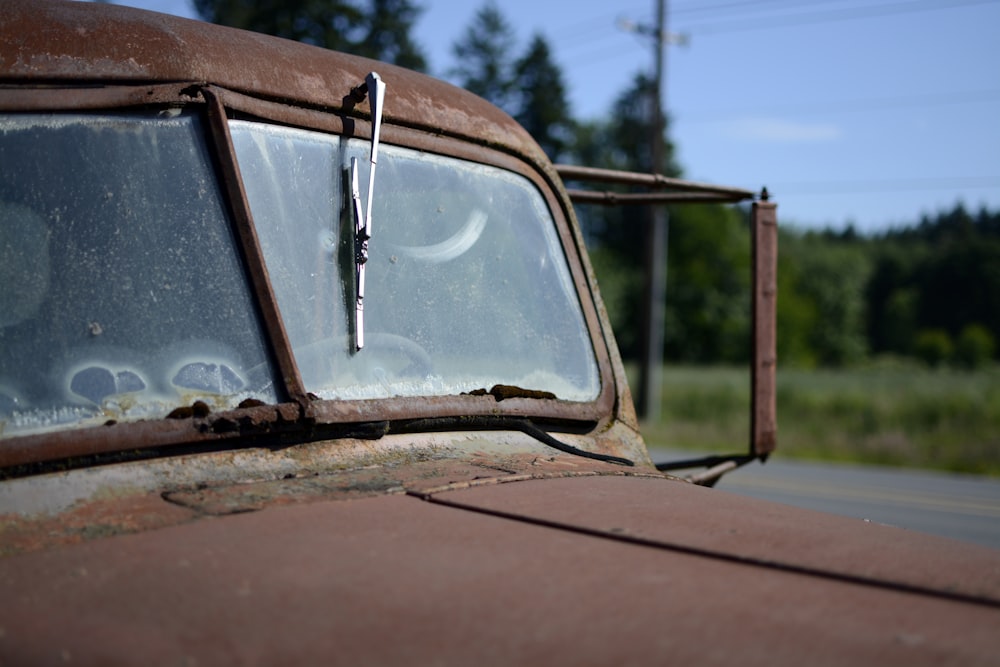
<point x="586" y="569"/>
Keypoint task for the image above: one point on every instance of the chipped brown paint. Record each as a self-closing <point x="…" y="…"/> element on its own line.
<point x="312" y="473"/>
<point x="364" y="532"/>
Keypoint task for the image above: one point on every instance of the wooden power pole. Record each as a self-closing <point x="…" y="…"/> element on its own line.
<point x="651" y="360"/>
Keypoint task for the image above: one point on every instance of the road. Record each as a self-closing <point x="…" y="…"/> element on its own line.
<point x="963" y="507"/>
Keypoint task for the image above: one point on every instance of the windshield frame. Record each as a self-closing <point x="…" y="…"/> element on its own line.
<point x="285" y="420"/>
<point x="338" y="411"/>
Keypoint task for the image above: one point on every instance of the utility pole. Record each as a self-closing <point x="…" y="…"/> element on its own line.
<point x="651" y="360"/>
<point x="650" y="386"/>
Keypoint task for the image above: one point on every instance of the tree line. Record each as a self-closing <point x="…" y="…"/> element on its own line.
<point x="930" y="290"/>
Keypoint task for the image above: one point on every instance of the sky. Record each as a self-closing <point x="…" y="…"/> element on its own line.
<point x="862" y="112"/>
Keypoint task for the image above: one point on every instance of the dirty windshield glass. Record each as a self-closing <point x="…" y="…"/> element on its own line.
<point x="466" y="283"/>
<point x="121" y="292"/>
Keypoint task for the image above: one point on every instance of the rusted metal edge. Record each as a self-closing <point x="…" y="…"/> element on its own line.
<point x="608" y="198"/>
<point x="763" y="391"/>
<point x="430" y="407"/>
<point x="246" y="232"/>
<point x="113" y="438"/>
<point x="280" y="425"/>
<point x="133" y="439"/>
<point x="72" y="95"/>
<point x="463" y="147"/>
<point x="570" y="172"/>
<point x="24" y="98"/>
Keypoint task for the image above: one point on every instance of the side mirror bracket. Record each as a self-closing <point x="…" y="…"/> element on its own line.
<point x="763" y="390"/>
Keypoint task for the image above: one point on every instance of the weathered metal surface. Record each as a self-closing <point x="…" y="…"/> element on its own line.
<point x="332" y="527"/>
<point x="48" y="40"/>
<point x="75" y="56"/>
<point x="764" y="258"/>
<point x="764" y="410"/>
<point x="715" y="524"/>
<point x="253" y="256"/>
<point x="26" y="98"/>
<point x="572" y="172"/>
<point x="269" y="423"/>
<point x="56" y="509"/>
<point x="626" y="198"/>
<point x="394" y="580"/>
<point x="115" y="511"/>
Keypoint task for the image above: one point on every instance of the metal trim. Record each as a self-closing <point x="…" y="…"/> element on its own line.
<point x="570" y="172"/>
<point x="289" y="421"/>
<point x="246" y="232"/>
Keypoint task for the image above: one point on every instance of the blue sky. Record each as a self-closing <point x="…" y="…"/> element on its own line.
<point x="870" y="112"/>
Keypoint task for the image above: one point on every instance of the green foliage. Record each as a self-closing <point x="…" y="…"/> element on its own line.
<point x="821" y="299"/>
<point x="941" y="275"/>
<point x="892" y="413"/>
<point x="623" y="142"/>
<point x="975" y="347"/>
<point x="542" y="107"/>
<point x="933" y="347"/>
<point x="380" y="31"/>
<point x="913" y="291"/>
<point x="529" y="87"/>
<point x="960" y="285"/>
<point x="708" y="285"/>
<point x="387" y="38"/>
<point x="619" y="285"/>
<point x="484" y="57"/>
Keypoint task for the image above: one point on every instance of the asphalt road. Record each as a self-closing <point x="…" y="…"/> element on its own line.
<point x="963" y="507"/>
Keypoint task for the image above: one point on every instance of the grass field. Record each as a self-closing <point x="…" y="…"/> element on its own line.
<point x="890" y="413"/>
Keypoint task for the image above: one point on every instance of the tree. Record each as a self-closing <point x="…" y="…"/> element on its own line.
<point x="483" y="54"/>
<point x="381" y="31"/>
<point x="390" y="23"/>
<point x="933" y="346"/>
<point x="975" y="346"/>
<point x="708" y="285"/>
<point x="708" y="267"/>
<point x="622" y="142"/>
<point x="541" y="105"/>
<point x="960" y="285"/>
<point x="831" y="276"/>
<point x="530" y="88"/>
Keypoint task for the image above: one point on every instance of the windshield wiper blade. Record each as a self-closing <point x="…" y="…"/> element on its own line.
<point x="363" y="220"/>
<point x="360" y="257"/>
<point x="499" y="423"/>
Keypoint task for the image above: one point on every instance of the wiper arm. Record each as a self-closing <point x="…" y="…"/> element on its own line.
<point x="360" y="257"/>
<point x="363" y="220"/>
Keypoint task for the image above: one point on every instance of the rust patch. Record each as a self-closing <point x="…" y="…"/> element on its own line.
<point x="502" y="391"/>
<point x="198" y="409"/>
<point x="90" y="520"/>
<point x="310" y="487"/>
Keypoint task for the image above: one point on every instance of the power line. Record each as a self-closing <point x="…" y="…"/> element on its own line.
<point x="756" y="11"/>
<point x="884" y="186"/>
<point x="860" y="12"/>
<point x="847" y="106"/>
<point x="767" y="5"/>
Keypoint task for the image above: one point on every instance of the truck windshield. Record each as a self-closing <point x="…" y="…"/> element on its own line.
<point x="122" y="295"/>
<point x="466" y="287"/>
